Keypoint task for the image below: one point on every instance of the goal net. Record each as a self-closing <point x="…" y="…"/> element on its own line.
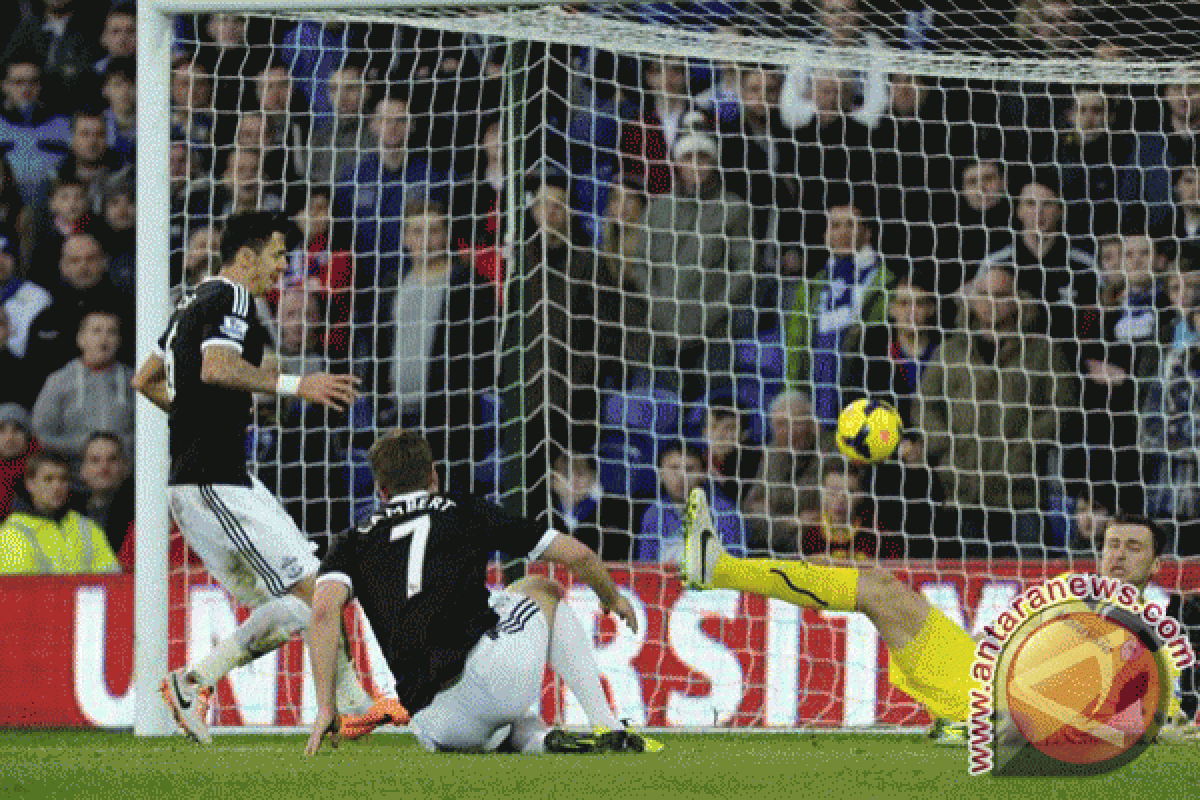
<point x="603" y="252"/>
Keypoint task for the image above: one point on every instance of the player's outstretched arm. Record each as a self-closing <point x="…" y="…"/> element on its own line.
<point x="324" y="639"/>
<point x="579" y="558"/>
<point x="150" y="381"/>
<point x="224" y="366"/>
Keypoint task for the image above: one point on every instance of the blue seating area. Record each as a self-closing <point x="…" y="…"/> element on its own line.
<point x="632" y="424"/>
<point x="760" y="365"/>
<point x="635" y="423"/>
<point x="662" y="528"/>
<point x="651" y="410"/>
<point x="626" y="469"/>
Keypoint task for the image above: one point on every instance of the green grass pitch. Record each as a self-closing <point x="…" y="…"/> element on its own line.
<point x="56" y="764"/>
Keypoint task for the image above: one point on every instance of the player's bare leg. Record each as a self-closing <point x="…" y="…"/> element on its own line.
<point x="546" y="592"/>
<point x="897" y="612"/>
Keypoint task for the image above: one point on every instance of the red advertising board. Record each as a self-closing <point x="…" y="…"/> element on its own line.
<point x="699" y="658"/>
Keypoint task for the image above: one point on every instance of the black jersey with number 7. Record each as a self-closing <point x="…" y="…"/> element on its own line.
<point x="419" y="570"/>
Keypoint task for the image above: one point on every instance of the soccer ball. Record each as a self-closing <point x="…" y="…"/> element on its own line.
<point x="868" y="431"/>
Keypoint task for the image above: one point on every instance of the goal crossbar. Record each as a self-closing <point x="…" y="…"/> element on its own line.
<point x="522" y="19"/>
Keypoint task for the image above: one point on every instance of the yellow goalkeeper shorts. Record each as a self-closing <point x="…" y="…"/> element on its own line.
<point x="935" y="667"/>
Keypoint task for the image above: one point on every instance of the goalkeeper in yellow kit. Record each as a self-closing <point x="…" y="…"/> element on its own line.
<point x="931" y="657"/>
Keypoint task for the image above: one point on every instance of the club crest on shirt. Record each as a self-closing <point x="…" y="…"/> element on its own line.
<point x="291" y="568"/>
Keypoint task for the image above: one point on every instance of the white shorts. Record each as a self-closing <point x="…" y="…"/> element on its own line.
<point x="501" y="681"/>
<point x="244" y="537"/>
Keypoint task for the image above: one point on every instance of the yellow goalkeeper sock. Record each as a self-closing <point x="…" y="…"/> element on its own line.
<point x="796" y="582"/>
<point x="935" y="667"/>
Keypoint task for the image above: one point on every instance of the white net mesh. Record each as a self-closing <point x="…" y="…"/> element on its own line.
<point x="600" y="253"/>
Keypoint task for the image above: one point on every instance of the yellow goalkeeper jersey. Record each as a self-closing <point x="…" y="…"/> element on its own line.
<point x="935" y="668"/>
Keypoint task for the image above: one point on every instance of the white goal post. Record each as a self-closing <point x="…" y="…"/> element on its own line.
<point x="155" y="19"/>
<point x="153" y="284"/>
<point x="760" y="655"/>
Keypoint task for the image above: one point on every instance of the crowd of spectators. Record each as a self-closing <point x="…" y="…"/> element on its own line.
<point x="675" y="275"/>
<point x="67" y="210"/>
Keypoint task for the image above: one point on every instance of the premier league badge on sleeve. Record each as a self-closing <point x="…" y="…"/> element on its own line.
<point x="235" y="328"/>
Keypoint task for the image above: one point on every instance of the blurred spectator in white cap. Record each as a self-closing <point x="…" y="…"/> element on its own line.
<point x="695" y="264"/>
<point x="22" y="300"/>
<point x="840" y="24"/>
<point x="695" y="141"/>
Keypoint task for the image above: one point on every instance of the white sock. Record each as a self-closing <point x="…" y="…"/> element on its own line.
<point x="573" y="659"/>
<point x="529" y="735"/>
<point x="267" y="627"/>
<point x="220" y="661"/>
<point x="350" y="695"/>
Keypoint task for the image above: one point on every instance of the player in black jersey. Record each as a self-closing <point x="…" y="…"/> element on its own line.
<point x="468" y="664"/>
<point x="210" y="362"/>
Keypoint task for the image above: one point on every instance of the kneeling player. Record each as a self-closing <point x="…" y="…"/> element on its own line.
<point x="467" y="663"/>
<point x="931" y="654"/>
